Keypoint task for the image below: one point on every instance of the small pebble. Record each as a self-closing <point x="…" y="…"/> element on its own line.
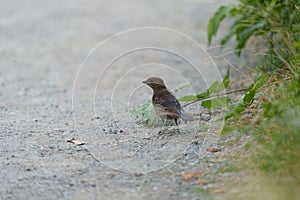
<point x="205" y="117"/>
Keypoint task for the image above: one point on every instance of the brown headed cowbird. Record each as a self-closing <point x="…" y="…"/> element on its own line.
<point x="165" y="103"/>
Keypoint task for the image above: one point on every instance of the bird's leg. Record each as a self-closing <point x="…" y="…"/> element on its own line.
<point x="163" y="123"/>
<point x="177" y="125"/>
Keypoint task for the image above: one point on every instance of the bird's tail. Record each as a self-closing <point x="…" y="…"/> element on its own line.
<point x="185" y="116"/>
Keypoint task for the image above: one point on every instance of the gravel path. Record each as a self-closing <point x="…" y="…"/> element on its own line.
<point x="54" y="88"/>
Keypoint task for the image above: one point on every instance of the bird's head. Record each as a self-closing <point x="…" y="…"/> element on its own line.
<point x="155" y="82"/>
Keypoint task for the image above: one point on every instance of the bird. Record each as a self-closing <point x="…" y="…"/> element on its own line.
<point x="165" y="104"/>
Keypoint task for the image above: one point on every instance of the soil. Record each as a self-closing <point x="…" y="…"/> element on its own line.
<point x="74" y="69"/>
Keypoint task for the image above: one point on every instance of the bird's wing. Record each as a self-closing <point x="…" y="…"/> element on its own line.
<point x="168" y="103"/>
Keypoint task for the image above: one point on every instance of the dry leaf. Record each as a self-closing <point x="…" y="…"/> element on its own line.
<point x="76" y="142"/>
<point x="202" y="182"/>
<point x="213" y="149"/>
<point x="190" y="176"/>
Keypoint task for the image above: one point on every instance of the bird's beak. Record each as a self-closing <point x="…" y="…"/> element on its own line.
<point x="145" y="82"/>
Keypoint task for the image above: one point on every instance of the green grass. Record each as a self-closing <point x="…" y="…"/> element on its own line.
<point x="274" y="150"/>
<point x="277" y="132"/>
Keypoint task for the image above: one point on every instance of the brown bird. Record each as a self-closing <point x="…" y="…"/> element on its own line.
<point x="165" y="104"/>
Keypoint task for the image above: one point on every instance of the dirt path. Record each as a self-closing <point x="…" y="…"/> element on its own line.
<point x="43" y="44"/>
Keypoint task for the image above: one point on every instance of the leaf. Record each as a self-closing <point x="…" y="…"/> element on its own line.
<point x="189" y="98"/>
<point x="244" y="33"/>
<point x="231" y="32"/>
<point x="260" y="81"/>
<point x="191" y="176"/>
<point x="249" y="95"/>
<point x="197" y="97"/>
<point x="253" y="88"/>
<point x="226" y="79"/>
<point x="217" y="87"/>
<point x="202" y="95"/>
<point x="214" y="149"/>
<point x="218" y="102"/>
<point x="215" y="21"/>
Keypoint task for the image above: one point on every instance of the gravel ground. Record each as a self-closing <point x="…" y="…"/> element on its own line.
<point x="54" y="88"/>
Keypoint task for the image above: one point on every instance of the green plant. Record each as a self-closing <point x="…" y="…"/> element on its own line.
<point x="276" y="130"/>
<point x="274" y="120"/>
<point x="214" y="95"/>
<point x="249" y="96"/>
<point x="276" y="22"/>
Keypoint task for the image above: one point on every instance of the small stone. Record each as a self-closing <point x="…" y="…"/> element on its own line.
<point x="110" y="130"/>
<point x="205" y="117"/>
